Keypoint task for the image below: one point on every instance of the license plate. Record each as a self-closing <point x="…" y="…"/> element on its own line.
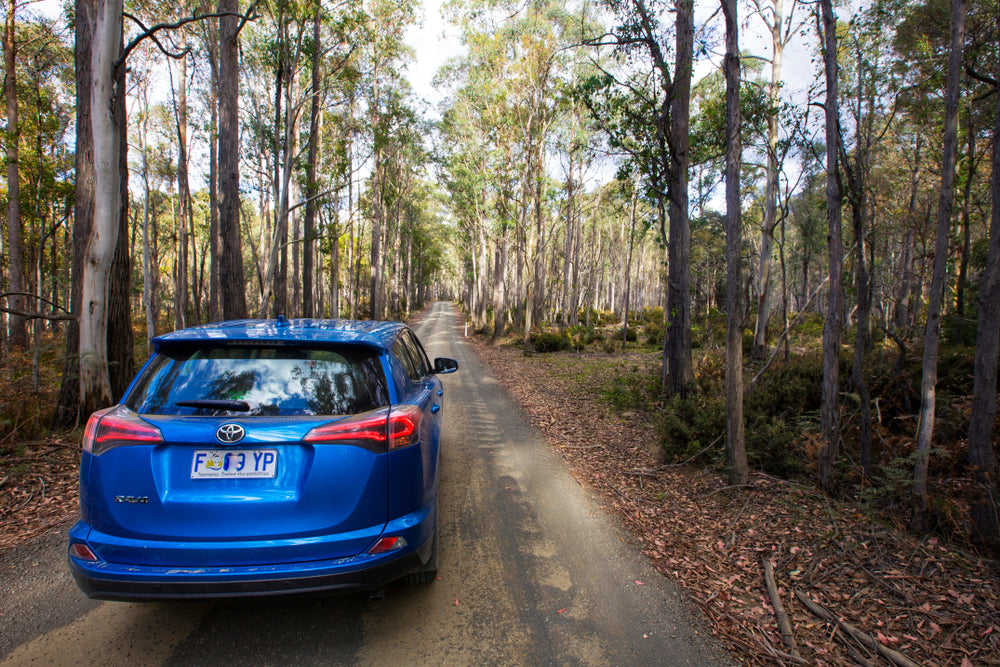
<point x="234" y="463"/>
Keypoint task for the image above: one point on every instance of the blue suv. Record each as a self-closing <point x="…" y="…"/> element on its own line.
<point x="264" y="457"/>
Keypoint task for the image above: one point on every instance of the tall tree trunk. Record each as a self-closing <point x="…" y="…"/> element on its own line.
<point x="759" y="350"/>
<point x="905" y="276"/>
<point x="214" y="305"/>
<point x="862" y="341"/>
<point x="335" y="264"/>
<point x="15" y="246"/>
<point x="538" y="283"/>
<point x="830" y="410"/>
<point x="67" y="412"/>
<point x="680" y="368"/>
<point x="121" y="361"/>
<point x="628" y="265"/>
<point x="963" y="264"/>
<point x="499" y="280"/>
<point x="95" y="382"/>
<point x="184" y="201"/>
<point x="148" y="268"/>
<point x="309" y="224"/>
<point x="985" y="508"/>
<point x="568" y="288"/>
<point x="574" y="306"/>
<point x="932" y="333"/>
<point x="858" y="178"/>
<point x="233" y="292"/>
<point x="736" y="453"/>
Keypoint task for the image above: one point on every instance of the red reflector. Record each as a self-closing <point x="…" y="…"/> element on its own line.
<point x="82" y="551"/>
<point x="387" y="544"/>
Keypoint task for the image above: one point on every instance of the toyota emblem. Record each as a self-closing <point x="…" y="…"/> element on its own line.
<point x="230" y="434"/>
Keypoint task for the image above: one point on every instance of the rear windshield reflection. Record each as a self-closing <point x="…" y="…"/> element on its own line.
<point x="268" y="380"/>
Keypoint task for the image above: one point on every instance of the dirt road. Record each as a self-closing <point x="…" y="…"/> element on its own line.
<point x="532" y="572"/>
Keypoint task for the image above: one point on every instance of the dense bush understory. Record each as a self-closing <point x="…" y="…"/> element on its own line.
<point x="782" y="409"/>
<point x="29" y="386"/>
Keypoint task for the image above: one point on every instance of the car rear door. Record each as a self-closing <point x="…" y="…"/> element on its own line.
<point x="204" y="497"/>
<point x="414" y="474"/>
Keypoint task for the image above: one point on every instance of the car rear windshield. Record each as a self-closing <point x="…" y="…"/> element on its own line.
<point x="260" y="380"/>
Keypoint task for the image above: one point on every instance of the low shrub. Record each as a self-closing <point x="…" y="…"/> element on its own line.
<point x="582" y="336"/>
<point x="630" y="334"/>
<point x="549" y="341"/>
<point x="691" y="423"/>
<point x="654" y="333"/>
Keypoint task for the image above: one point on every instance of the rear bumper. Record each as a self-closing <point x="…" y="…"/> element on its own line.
<point x="115" y="581"/>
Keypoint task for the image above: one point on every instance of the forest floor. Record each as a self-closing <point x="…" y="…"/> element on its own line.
<point x="892" y="598"/>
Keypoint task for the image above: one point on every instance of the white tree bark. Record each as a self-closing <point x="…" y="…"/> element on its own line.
<point x="95" y="383"/>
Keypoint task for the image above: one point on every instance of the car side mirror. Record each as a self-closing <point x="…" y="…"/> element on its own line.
<point x="444" y="365"/>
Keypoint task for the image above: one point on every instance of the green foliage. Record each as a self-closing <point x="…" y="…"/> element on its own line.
<point x="778" y="412"/>
<point x="709" y="331"/>
<point x="689" y="424"/>
<point x="549" y="341"/>
<point x="581" y="336"/>
<point x="629" y="332"/>
<point x="630" y="387"/>
<point x="654" y="333"/>
<point x="612" y="345"/>
<point x="811" y="327"/>
<point x="24" y="407"/>
<point x="651" y="316"/>
<point x="780" y="409"/>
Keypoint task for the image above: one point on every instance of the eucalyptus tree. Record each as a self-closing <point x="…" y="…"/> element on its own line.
<point x="383" y="55"/>
<point x="644" y="105"/>
<point x="505" y="109"/>
<point x="41" y="159"/>
<point x="185" y="215"/>
<point x="281" y="43"/>
<point x="985" y="509"/>
<point x="833" y="324"/>
<point x="868" y="86"/>
<point x="315" y="104"/>
<point x="99" y="240"/>
<point x="18" y="331"/>
<point x="467" y="164"/>
<point x="782" y="28"/>
<point x="578" y="144"/>
<point x="233" y="287"/>
<point x="736" y="454"/>
<point x="928" y="381"/>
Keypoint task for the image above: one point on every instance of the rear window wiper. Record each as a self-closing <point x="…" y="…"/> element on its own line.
<point x="215" y="404"/>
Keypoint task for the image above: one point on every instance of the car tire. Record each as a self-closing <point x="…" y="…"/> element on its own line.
<point x="429" y="573"/>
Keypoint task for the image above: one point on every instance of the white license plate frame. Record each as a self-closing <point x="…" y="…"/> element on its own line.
<point x="234" y="464"/>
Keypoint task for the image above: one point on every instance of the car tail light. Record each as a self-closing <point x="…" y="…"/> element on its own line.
<point x="379" y="430"/>
<point x="117" y="427"/>
<point x="404" y="426"/>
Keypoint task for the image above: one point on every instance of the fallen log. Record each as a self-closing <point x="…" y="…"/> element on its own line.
<point x="863" y="638"/>
<point x="784" y="625"/>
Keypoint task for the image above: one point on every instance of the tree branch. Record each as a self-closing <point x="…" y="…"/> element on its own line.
<point x="982" y="78"/>
<point x="151" y="31"/>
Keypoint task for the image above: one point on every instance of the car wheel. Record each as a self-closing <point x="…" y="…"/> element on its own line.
<point x="429" y="573"/>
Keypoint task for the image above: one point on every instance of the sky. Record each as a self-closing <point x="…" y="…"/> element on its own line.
<point x="434" y="42"/>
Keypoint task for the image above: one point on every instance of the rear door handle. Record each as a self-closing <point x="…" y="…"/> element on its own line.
<point x="435" y="408"/>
